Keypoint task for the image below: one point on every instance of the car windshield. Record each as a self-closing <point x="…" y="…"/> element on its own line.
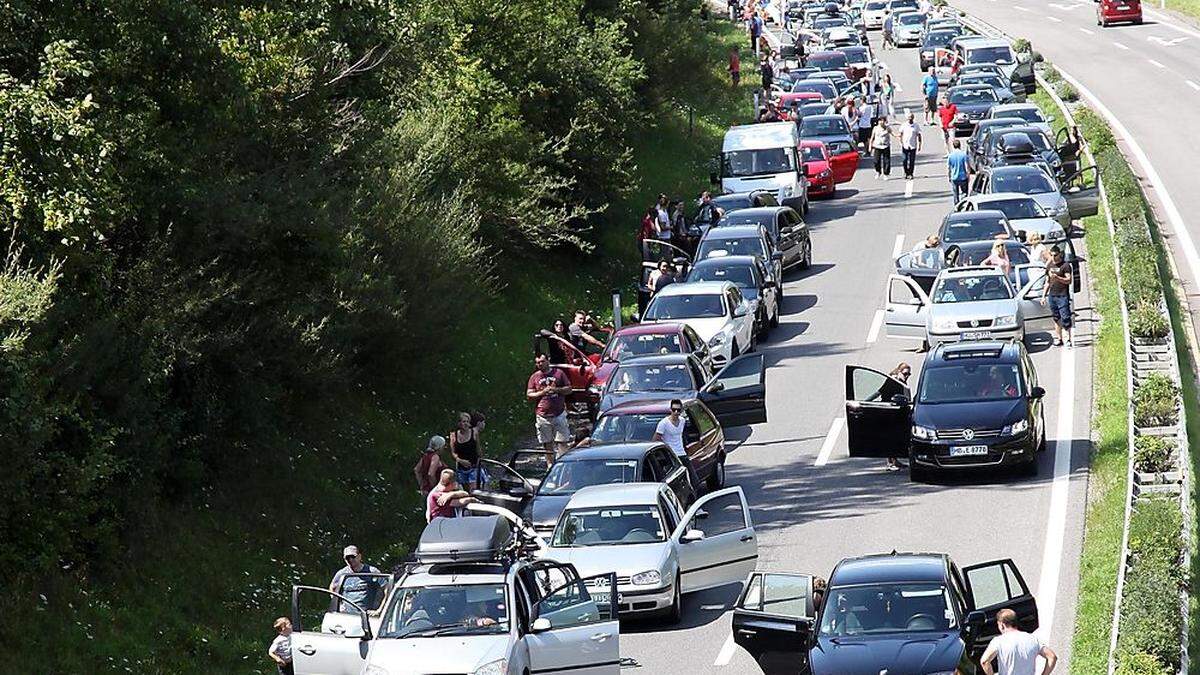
<point x="938" y="38"/>
<point x="886" y="608"/>
<point x="831" y="61"/>
<point x="1016" y="209"/>
<point x="982" y="78"/>
<point x="825" y="89"/>
<point x="855" y="54"/>
<point x="566" y="477"/>
<point x="460" y="609"/>
<point x="972" y="96"/>
<point x="1025" y="182"/>
<point x="911" y="19"/>
<point x="741" y="275"/>
<point x="626" y="346"/>
<point x="976" y="256"/>
<point x="876" y="5"/>
<point x="824" y="126"/>
<point x="609" y="526"/>
<point x="981" y="288"/>
<point x="1027" y="114"/>
<point x="732" y="246"/>
<point x="973" y="229"/>
<point x="733" y="202"/>
<point x="813" y="153"/>
<point x="969" y="383"/>
<point x="699" y="306"/>
<point x="614" y="428"/>
<point x="1000" y="55"/>
<point x="759" y="162"/>
<point x="652" y="377"/>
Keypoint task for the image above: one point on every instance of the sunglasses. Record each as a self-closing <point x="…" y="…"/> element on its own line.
<point x="351" y="557"/>
<point x="676" y="410"/>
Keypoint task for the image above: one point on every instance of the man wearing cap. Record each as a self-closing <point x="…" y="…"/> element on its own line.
<point x="366" y="593"/>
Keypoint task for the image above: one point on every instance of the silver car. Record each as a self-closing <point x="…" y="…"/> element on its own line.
<point x="1023" y="213"/>
<point x="1077" y="197"/>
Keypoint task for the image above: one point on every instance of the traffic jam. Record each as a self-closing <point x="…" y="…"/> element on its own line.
<point x="560" y="554"/>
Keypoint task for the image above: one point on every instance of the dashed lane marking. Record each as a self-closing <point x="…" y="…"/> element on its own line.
<point x="831" y="438"/>
<point x="1156" y="64"/>
<point x="1193" y="85"/>
<point x="726" y="653"/>
<point x="1085" y="31"/>
<point x="876" y="324"/>
<point x="1118" y="45"/>
<point x="899" y="245"/>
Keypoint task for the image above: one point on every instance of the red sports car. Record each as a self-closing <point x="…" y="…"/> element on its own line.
<point x="818" y="169"/>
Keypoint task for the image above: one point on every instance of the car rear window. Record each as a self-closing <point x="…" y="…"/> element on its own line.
<point x="1017" y="209"/>
<point x="975" y="229"/>
<point x="732" y="245"/>
<point x="1027" y="183"/>
<point x="876" y="5"/>
<point x="832" y="61"/>
<point x="825" y="89"/>
<point x="971" y="96"/>
<point x="827" y="126"/>
<point x="1001" y="55"/>
<point x="740" y="274"/>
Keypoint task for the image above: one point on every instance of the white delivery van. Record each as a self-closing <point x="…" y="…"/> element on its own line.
<point x="764" y="157"/>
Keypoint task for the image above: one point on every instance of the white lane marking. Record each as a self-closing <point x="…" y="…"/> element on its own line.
<point x="726" y="653"/>
<point x="835" y="430"/>
<point x="1069" y="7"/>
<point x="1118" y="45"/>
<point x="1172" y="211"/>
<point x="1155" y="63"/>
<point x="1055" y="19"/>
<point x="1085" y="31"/>
<point x="1056" y="522"/>
<point x="1164" y="42"/>
<point x="1193" y="85"/>
<point x="899" y="245"/>
<point x="1022" y="8"/>
<point x="876" y="324"/>
<point x="908" y="189"/>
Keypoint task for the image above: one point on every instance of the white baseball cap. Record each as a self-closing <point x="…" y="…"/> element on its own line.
<point x="350" y="550"/>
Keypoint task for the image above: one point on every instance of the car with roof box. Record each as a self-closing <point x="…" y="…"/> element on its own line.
<point x="977" y="142"/>
<point x="860" y="62"/>
<point x="749" y="274"/>
<point x="1044" y="150"/>
<point x="703" y="435"/>
<point x="882" y="613"/>
<point x="1013" y="148"/>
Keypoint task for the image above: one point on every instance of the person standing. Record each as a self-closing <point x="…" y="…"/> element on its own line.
<point x="1058" y="296"/>
<point x="648" y="229"/>
<point x="946" y="113"/>
<point x="887" y="96"/>
<point x="896" y="384"/>
<point x="429" y="467"/>
<point x="445" y="497"/>
<point x="881" y="148"/>
<point x="662" y="277"/>
<point x="735" y="67"/>
<point x="464" y="446"/>
<point x="662" y="218"/>
<point x="670" y="432"/>
<point x="767" y="73"/>
<point x="865" y="124"/>
<point x="1069" y="153"/>
<point x="910" y="143"/>
<point x="960" y="177"/>
<point x="756" y="28"/>
<point x="1014" y="650"/>
<point x="578" y="333"/>
<point x="366" y="593"/>
<point x="999" y="257"/>
<point x="547" y="388"/>
<point x="850" y="113"/>
<point x="929" y="86"/>
<point x="1038" y="253"/>
<point x="280" y="650"/>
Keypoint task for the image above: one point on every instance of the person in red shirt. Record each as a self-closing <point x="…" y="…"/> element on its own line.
<point x="547" y="387"/>
<point x="446" y="497"/>
<point x="947" y="111"/>
<point x="429" y="467"/>
<point x="647" y="230"/>
<point x="735" y="66"/>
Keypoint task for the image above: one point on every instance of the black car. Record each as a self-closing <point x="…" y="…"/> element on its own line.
<point x="1043" y="147"/>
<point x="932" y="41"/>
<point x="751" y="277"/>
<point x="743" y="240"/>
<point x="1014" y="148"/>
<point x="897" y="613"/>
<point x="973" y="101"/>
<point x="736" y="394"/>
<point x="745" y="200"/>
<point x="978" y="142"/>
<point x="786" y="228"/>
<point x="977" y="406"/>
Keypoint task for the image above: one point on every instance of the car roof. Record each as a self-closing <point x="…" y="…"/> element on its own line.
<point x="655" y="359"/>
<point x="645" y="408"/>
<point x="809" y="143"/>
<point x="999" y="196"/>
<point x="990" y="350"/>
<point x="965" y="216"/>
<point x="890" y="567"/>
<point x="734" y="232"/>
<point x="1017" y="106"/>
<point x="611" y="451"/>
<point x="1013" y="168"/>
<point x="760" y="211"/>
<point x="969" y="86"/>
<point x="988" y="42"/>
<point x="616" y="494"/>
<point x="665" y="328"/>
<point x="723" y="260"/>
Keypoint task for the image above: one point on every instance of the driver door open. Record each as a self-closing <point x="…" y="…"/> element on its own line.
<point x="574" y="627"/>
<point x="1031" y="279"/>
<point x="991" y="587"/>
<point x="843" y="160"/>
<point x="907" y="309"/>
<point x="654" y="250"/>
<point x="502" y="486"/>
<point x="774" y="618"/>
<point x="1082" y="191"/>
<point x="737" y="394"/>
<point x="715" y="541"/>
<point x="340" y="645"/>
<point x="878" y="413"/>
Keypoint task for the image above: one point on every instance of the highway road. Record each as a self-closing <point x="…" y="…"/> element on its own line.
<point x="812" y="504"/>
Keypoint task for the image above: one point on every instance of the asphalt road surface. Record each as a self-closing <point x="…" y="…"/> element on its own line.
<point x="812" y="504"/>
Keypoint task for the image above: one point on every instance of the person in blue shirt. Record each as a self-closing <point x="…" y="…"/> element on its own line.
<point x="956" y="166"/>
<point x="887" y="30"/>
<point x="929" y="86"/>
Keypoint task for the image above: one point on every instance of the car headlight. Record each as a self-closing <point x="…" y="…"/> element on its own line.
<point x="924" y="433"/>
<point x="375" y="670"/>
<point x="1016" y="428"/>
<point x="1057" y="210"/>
<point x="785" y="191"/>
<point x="497" y="667"/>
<point x="944" y="324"/>
<point x="718" y="340"/>
<point x="825" y="174"/>
<point x="647" y="578"/>
<point x="1006" y="321"/>
<point x="960" y="117"/>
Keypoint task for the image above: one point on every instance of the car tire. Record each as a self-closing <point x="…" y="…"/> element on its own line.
<point x="806" y="261"/>
<point x="716" y="480"/>
<point x="674" y="614"/>
<point x="1030" y="469"/>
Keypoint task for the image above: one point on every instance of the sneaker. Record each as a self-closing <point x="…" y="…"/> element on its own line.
<point x="893" y="467"/>
<point x="885" y="176"/>
<point x="1057" y="342"/>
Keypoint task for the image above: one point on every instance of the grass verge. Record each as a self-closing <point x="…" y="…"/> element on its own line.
<point x="1188" y="7"/>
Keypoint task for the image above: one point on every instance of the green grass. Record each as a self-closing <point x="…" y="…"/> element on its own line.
<point x="1189" y="7"/>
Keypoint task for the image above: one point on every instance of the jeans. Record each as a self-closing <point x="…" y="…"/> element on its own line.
<point x="960" y="190"/>
<point x="883" y="161"/>
<point x="1060" y="309"/>
<point x="910" y="161"/>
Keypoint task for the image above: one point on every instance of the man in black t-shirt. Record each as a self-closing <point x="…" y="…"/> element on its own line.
<point x="1058" y="295"/>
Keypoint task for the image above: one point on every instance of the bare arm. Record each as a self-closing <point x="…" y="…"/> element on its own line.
<point x="986" y="660"/>
<point x="1051" y="660"/>
<point x="451" y="496"/>
<point x="274" y="656"/>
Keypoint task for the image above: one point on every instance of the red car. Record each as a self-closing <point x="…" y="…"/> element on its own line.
<point x="643" y="340"/>
<point x="1116" y="11"/>
<point x="818" y="169"/>
<point x="579" y="367"/>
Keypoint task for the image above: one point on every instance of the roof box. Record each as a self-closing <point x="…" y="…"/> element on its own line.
<point x="467" y="539"/>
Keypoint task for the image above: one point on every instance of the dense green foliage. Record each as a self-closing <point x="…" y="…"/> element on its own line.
<point x="1151" y="619"/>
<point x="1154" y="453"/>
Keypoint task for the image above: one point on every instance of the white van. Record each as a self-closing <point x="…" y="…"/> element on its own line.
<point x="764" y="157"/>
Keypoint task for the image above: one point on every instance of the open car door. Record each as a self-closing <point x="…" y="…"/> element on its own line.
<point x="1023" y="76"/>
<point x="574" y="628"/>
<point x="715" y="541"/>
<point x="922" y="266"/>
<point x="503" y="486"/>
<point x="1031" y="280"/>
<point x="530" y="463"/>
<point x="339" y="646"/>
<point x="843" y="160"/>
<point x="1082" y="190"/>
<point x="991" y="587"/>
<point x="907" y="309"/>
<point x="737" y="394"/>
<point x="773" y="620"/>
<point x="878" y="411"/>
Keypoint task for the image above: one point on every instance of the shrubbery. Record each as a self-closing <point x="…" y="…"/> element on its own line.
<point x="1148" y="322"/>
<point x="1156" y="402"/>
<point x="1150" y="610"/>
<point x="1153" y="453"/>
<point x="1066" y="92"/>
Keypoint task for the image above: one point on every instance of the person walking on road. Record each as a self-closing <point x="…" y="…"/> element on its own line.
<point x="910" y="143"/>
<point x="1058" y="296"/>
<point x="929" y="86"/>
<point x="946" y="113"/>
<point x="1014" y="651"/>
<point x="429" y="467"/>
<point x="735" y="67"/>
<point x="865" y="124"/>
<point x="547" y="388"/>
<point x="881" y="148"/>
<point x="280" y="650"/>
<point x="960" y="177"/>
<point x="887" y="30"/>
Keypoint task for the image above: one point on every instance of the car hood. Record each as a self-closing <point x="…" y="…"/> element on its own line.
<point x="969" y="414"/>
<point x="829" y="138"/>
<point x="626" y="560"/>
<point x="772" y="181"/>
<point x="612" y="400"/>
<point x="893" y="654"/>
<point x="707" y="328"/>
<point x="975" y="108"/>
<point x="966" y="311"/>
<point x="544" y="510"/>
<point x="1039" y="225"/>
<point x="449" y="654"/>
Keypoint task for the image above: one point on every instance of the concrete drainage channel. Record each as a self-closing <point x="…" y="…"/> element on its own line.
<point x="1157" y="482"/>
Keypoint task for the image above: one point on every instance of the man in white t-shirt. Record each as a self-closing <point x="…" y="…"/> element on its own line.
<point x="670" y="429"/>
<point x="1015" y="651"/>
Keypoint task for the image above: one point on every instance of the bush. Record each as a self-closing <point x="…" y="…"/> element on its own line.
<point x="1156" y="402"/>
<point x="1137" y="662"/>
<point x="1066" y="92"/>
<point x="1095" y="130"/>
<point x="1150" y="610"/>
<point x="1153" y="453"/>
<point x="1050" y="74"/>
<point x="1147" y="322"/>
<point x="1021" y="46"/>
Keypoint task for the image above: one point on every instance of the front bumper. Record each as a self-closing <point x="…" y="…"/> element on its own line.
<point x="635" y="600"/>
<point x="1001" y="452"/>
<point x="1014" y="333"/>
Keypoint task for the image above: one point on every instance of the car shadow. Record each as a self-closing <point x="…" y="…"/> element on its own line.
<point x="812" y="271"/>
<point x="699" y="609"/>
<point x="784" y="332"/>
<point x="794" y="304"/>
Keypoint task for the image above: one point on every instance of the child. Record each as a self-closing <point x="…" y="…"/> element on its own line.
<point x="280" y="650"/>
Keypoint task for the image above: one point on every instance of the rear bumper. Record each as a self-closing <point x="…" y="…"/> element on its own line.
<point x="1127" y="15"/>
<point x="1002" y="452"/>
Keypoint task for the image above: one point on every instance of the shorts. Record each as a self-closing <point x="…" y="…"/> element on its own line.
<point x="552" y="429"/>
<point x="471" y="475"/>
<point x="286" y="669"/>
<point x="1060" y="309"/>
<point x="931" y="104"/>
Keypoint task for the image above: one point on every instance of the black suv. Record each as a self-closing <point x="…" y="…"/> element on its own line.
<point x="883" y="613"/>
<point x="978" y="405"/>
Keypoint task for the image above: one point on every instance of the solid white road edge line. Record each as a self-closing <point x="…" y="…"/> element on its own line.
<point x="1172" y="212"/>
<point x="899" y="246"/>
<point x="835" y="430"/>
<point x="1056" y="522"/>
<point x="1156" y="63"/>
<point x="1164" y="20"/>
<point x="726" y="654"/>
<point x="876" y="324"/>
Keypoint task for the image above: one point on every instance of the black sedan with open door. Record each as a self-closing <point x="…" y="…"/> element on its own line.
<point x="896" y="613"/>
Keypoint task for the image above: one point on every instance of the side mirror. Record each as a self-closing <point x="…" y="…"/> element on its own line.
<point x="900" y="399"/>
<point x="975" y="620"/>
<point x="716" y="387"/>
<point x="1049" y="118"/>
<point x="1037" y="392"/>
<point x="540" y="624"/>
<point x="691" y="536"/>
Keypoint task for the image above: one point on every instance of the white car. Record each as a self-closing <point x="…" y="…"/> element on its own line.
<point x="968" y="303"/>
<point x="1022" y="211"/>
<point x="658" y="550"/>
<point x="874" y="14"/>
<point x="717" y="312"/>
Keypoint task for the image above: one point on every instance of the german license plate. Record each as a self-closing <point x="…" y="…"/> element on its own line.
<point x="967" y="450"/>
<point x="1123" y="8"/>
<point x="977" y="335"/>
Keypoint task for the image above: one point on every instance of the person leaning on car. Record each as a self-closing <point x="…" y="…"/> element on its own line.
<point x="546" y="387"/>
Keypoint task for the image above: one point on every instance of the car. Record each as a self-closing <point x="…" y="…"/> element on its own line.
<point x="732" y="201"/>
<point x="907" y="29"/>
<point x="830" y="60"/>
<point x="786" y="229"/>
<point x="542" y="616"/>
<point x="751" y="277"/>
<point x="762" y="156"/>
<point x="948" y="23"/>
<point x="659" y="551"/>
<point x="742" y="240"/>
<point x="931" y="41"/>
<point x="1077" y="197"/>
<point x="924" y="265"/>
<point x="703" y="436"/>
<point x="1016" y="69"/>
<point x="966" y="304"/>
<point x="835" y="77"/>
<point x="1109" y="12"/>
<point x="818" y="86"/>
<point x="834" y="132"/>
<point x="1014" y="148"/>
<point x="643" y="460"/>
<point x="792" y="100"/>
<point x="821" y="182"/>
<point x="978" y="142"/>
<point x="1007" y="92"/>
<point x="900" y="5"/>
<point x="860" y="63"/>
<point x="977" y="407"/>
<point x="976" y="69"/>
<point x="840" y="36"/>
<point x="973" y="102"/>
<point x="882" y="613"/>
<point x="1027" y="111"/>
<point x="974" y="225"/>
<point x="648" y="339"/>
<point x="716" y="310"/>
<point x="1023" y="213"/>
<point x="1043" y="149"/>
<point x="874" y="13"/>
<point x="815" y="108"/>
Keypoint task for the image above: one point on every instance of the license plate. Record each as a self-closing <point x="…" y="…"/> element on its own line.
<point x="977" y="335"/>
<point x="968" y="450"/>
<point x="1123" y="8"/>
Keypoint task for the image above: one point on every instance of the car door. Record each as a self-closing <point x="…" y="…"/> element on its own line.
<point x="1082" y="190"/>
<point x="743" y="320"/>
<point x="1023" y="75"/>
<point x="787" y="241"/>
<point x="715" y="542"/>
<point x="738" y="394"/>
<point x="774" y="618"/>
<point x="843" y="161"/>
<point x="568" y="358"/>
<point x="877" y="421"/>
<point x="339" y="646"/>
<point x="698" y="347"/>
<point x="575" y="629"/>
<point x="1033" y="312"/>
<point x="503" y="486"/>
<point x="674" y="473"/>
<point x="693" y="444"/>
<point x="907" y="310"/>
<point x="991" y="587"/>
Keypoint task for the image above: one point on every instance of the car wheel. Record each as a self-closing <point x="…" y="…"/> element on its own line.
<point x="1042" y="443"/>
<point x="674" y="613"/>
<point x="1030" y="469"/>
<point x="717" y="480"/>
<point x="806" y="262"/>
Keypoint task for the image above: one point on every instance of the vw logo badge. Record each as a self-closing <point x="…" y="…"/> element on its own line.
<point x="968" y="434"/>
